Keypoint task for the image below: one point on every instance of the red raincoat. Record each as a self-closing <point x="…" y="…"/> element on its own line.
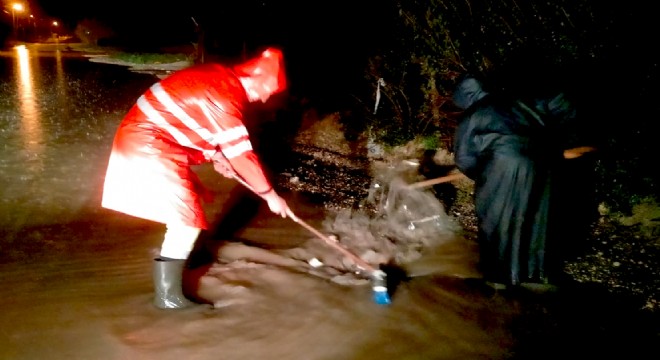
<point x="181" y="121"/>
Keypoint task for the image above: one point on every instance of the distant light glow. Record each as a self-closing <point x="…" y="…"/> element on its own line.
<point x="30" y="122"/>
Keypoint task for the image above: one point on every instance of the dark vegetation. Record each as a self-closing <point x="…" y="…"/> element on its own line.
<point x="580" y="47"/>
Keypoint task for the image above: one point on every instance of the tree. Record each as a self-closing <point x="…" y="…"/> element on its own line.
<point x="91" y="31"/>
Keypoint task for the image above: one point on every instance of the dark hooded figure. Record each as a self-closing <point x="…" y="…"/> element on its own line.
<point x="511" y="148"/>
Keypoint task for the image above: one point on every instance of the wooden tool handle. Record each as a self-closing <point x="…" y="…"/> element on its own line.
<point x="440" y="180"/>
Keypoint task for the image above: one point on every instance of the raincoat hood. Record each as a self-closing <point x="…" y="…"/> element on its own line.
<point x="263" y="76"/>
<point x="468" y="92"/>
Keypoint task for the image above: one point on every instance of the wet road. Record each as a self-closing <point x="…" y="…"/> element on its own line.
<point x="76" y="279"/>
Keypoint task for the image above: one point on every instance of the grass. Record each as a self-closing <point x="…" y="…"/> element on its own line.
<point x="148" y="58"/>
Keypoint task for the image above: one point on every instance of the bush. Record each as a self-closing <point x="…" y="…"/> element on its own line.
<point x="148" y="58"/>
<point x="526" y="46"/>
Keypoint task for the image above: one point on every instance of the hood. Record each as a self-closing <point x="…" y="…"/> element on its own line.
<point x="263" y="76"/>
<point x="468" y="92"/>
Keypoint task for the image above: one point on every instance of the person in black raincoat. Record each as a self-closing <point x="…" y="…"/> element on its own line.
<point x="512" y="148"/>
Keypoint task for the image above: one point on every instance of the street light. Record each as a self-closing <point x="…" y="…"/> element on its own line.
<point x="14" y="8"/>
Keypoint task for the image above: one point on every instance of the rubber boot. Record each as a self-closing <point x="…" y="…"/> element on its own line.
<point x="168" y="285"/>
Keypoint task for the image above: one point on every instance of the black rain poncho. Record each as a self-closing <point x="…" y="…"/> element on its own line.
<point x="510" y="149"/>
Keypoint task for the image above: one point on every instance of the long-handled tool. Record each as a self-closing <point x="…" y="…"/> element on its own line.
<point x="568" y="154"/>
<point x="439" y="180"/>
<point x="378" y="277"/>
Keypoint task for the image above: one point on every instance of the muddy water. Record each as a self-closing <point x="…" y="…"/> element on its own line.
<point x="76" y="279"/>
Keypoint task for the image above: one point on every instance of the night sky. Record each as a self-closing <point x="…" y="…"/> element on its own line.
<point x="271" y="20"/>
<point x="322" y="37"/>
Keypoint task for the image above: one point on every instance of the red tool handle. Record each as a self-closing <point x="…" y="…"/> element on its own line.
<point x="334" y="243"/>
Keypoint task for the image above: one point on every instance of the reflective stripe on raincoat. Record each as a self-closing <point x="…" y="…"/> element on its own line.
<point x="181" y="121"/>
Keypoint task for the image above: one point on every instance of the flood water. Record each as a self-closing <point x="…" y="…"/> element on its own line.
<point x="76" y="278"/>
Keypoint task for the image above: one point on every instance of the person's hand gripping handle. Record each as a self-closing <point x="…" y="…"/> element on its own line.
<point x="275" y="203"/>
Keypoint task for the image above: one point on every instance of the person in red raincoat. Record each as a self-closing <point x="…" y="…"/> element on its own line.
<point x="191" y="117"/>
